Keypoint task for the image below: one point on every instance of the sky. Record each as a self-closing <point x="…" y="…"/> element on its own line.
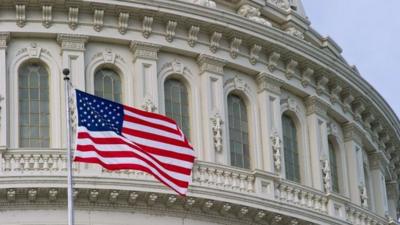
<point x="368" y="31"/>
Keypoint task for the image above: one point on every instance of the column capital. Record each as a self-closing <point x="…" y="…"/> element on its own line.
<point x="72" y="42"/>
<point x="378" y="160"/>
<point x="4" y="38"/>
<point x="267" y="82"/>
<point x="352" y="132"/>
<point x="211" y="64"/>
<point x="144" y="50"/>
<point x="317" y="106"/>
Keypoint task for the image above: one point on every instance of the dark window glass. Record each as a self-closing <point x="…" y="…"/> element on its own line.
<point x="291" y="152"/>
<point x="333" y="165"/>
<point x="107" y="84"/>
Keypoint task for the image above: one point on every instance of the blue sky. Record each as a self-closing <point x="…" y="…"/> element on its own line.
<point x="368" y="31"/>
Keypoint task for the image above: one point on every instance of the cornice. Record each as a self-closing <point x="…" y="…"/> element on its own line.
<point x="211" y="64"/>
<point x="267" y="82"/>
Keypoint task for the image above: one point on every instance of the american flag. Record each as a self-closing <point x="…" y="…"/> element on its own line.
<point x="119" y="137"/>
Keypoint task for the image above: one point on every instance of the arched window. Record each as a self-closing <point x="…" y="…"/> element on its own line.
<point x="334" y="168"/>
<point x="177" y="104"/>
<point x="291" y="153"/>
<point x="33" y="96"/>
<point x="107" y="84"/>
<point x="238" y="132"/>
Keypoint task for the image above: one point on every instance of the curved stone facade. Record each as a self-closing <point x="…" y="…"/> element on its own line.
<point x="262" y="52"/>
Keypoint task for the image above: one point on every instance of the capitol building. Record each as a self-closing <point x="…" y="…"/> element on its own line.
<point x="285" y="131"/>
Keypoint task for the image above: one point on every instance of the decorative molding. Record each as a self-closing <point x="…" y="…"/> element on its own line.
<point x="11" y="193"/>
<point x="123" y="20"/>
<point x="273" y="61"/>
<point x="217" y="122"/>
<point x="98" y="18"/>
<point x="238" y="84"/>
<point x="170" y="30"/>
<point x="276" y="143"/>
<point x="147" y="26"/>
<point x="291" y="69"/>
<point x="282" y="4"/>
<point x="214" y="41"/>
<point x="254" y="53"/>
<point x="321" y="85"/>
<point x="206" y="3"/>
<point x="295" y="32"/>
<point x="348" y="98"/>
<point x="47" y="16"/>
<point x="72" y="41"/>
<point x="335" y="94"/>
<point x="292" y="105"/>
<point x="20" y="15"/>
<point x="317" y="106"/>
<point x="211" y="64"/>
<point x="235" y="45"/>
<point x="113" y="197"/>
<point x="73" y="17"/>
<point x="4" y="38"/>
<point x="93" y="195"/>
<point x="307" y="77"/>
<point x="333" y="129"/>
<point x="352" y="132"/>
<point x="252" y="13"/>
<point x="267" y="82"/>
<point x="144" y="50"/>
<point x="192" y="35"/>
<point x="359" y="108"/>
<point x="32" y="194"/>
<point x="53" y="193"/>
<point x="207" y="205"/>
<point x="363" y="195"/>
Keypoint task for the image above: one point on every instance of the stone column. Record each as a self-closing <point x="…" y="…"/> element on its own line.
<point x="352" y="142"/>
<point x="145" y="85"/>
<point x="73" y="58"/>
<point x="318" y="138"/>
<point x="212" y="108"/>
<point x="269" y="91"/>
<point x="377" y="165"/>
<point x="4" y="101"/>
<point x="393" y="196"/>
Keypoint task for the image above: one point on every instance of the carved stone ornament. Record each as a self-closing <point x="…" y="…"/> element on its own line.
<point x="276" y="219"/>
<point x="170" y="30"/>
<point x="307" y="77"/>
<point x="47" y="15"/>
<point x="98" y="20"/>
<point x="93" y="195"/>
<point x="4" y="37"/>
<point x="292" y="104"/>
<point x="113" y="196"/>
<point x="53" y="194"/>
<point x="348" y="98"/>
<point x="32" y="194"/>
<point x="254" y="53"/>
<point x="273" y="61"/>
<point x="332" y="129"/>
<point x="34" y="51"/>
<point x="214" y="41"/>
<point x="268" y="82"/>
<point x="363" y="195"/>
<point x="144" y="50"/>
<point x="189" y="203"/>
<point x="147" y="26"/>
<point x="207" y="205"/>
<point x="295" y="32"/>
<point x="242" y="212"/>
<point x="109" y="56"/>
<point x="235" y="45"/>
<point x="326" y="175"/>
<point x="321" y="85"/>
<point x="151" y="199"/>
<point x="20" y="15"/>
<point x="276" y="143"/>
<point x="73" y="16"/>
<point x="217" y="132"/>
<point x="72" y="41"/>
<point x="282" y="4"/>
<point x="206" y="3"/>
<point x="171" y="200"/>
<point x="291" y="69"/>
<point x="132" y="198"/>
<point x="252" y="13"/>
<point x="238" y="84"/>
<point x="192" y="35"/>
<point x="11" y="193"/>
<point x="225" y="208"/>
<point x="335" y="93"/>
<point x="148" y="105"/>
<point x="259" y="216"/>
<point x="123" y="20"/>
<point x="210" y="64"/>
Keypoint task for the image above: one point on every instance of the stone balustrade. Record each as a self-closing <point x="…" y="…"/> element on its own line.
<point x="302" y="196"/>
<point x="53" y="162"/>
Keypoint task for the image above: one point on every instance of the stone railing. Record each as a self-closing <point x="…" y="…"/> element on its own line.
<point x="302" y="196"/>
<point x="215" y="177"/>
<point x="360" y="216"/>
<point x="223" y="177"/>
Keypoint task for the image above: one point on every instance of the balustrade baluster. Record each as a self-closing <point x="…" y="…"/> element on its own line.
<point x="303" y="198"/>
<point x="310" y="201"/>
<point x="242" y="180"/>
<point x="250" y="185"/>
<point x="7" y="163"/>
<point x="219" y="181"/>
<point x="45" y="162"/>
<point x="235" y="181"/>
<point x="35" y="162"/>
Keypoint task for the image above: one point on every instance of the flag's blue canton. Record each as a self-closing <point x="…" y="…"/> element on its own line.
<point x="99" y="114"/>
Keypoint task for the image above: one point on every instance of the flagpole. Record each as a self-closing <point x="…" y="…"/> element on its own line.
<point x="69" y="156"/>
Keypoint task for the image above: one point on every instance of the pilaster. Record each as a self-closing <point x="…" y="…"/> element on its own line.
<point x="393" y="196"/>
<point x="73" y="57"/>
<point x="352" y="142"/>
<point x="269" y="90"/>
<point x="318" y="138"/>
<point x="145" y="75"/>
<point x="377" y="164"/>
<point x="212" y="108"/>
<point x="4" y="115"/>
